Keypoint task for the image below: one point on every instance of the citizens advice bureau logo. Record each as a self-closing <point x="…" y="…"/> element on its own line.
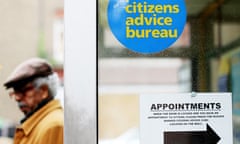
<point x="146" y="26"/>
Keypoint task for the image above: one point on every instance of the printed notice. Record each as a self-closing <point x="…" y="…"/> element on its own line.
<point x="186" y="118"/>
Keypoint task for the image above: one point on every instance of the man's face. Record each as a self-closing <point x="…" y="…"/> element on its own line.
<point x="27" y="96"/>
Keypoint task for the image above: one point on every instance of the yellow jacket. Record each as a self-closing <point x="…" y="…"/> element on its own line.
<point x="45" y="126"/>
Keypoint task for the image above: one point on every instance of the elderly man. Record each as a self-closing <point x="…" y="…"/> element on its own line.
<point x="34" y="85"/>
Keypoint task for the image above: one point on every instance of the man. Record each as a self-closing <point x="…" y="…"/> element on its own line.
<point x="34" y="86"/>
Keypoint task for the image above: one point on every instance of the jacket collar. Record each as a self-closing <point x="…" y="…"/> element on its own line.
<point x="40" y="105"/>
<point x="35" y="118"/>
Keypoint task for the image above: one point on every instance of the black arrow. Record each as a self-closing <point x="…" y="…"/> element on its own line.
<point x="192" y="137"/>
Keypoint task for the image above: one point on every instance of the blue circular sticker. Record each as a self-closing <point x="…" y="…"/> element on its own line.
<point x="147" y="26"/>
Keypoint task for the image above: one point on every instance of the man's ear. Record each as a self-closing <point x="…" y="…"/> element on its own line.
<point x="44" y="91"/>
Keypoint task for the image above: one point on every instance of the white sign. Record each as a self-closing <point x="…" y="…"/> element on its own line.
<point x="186" y="118"/>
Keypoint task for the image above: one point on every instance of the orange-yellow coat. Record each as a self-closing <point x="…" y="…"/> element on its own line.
<point x="45" y="126"/>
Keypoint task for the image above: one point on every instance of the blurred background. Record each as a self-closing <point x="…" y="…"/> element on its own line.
<point x="32" y="28"/>
<point x="206" y="58"/>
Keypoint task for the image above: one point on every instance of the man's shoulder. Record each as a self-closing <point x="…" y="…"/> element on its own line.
<point x="54" y="118"/>
<point x="53" y="121"/>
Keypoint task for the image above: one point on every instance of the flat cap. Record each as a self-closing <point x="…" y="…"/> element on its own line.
<point x="27" y="71"/>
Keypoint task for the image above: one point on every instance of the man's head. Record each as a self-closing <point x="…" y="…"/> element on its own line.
<point x="32" y="82"/>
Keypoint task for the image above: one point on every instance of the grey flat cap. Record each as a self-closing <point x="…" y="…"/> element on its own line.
<point x="27" y="71"/>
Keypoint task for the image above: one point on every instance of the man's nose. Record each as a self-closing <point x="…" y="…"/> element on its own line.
<point x="18" y="97"/>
